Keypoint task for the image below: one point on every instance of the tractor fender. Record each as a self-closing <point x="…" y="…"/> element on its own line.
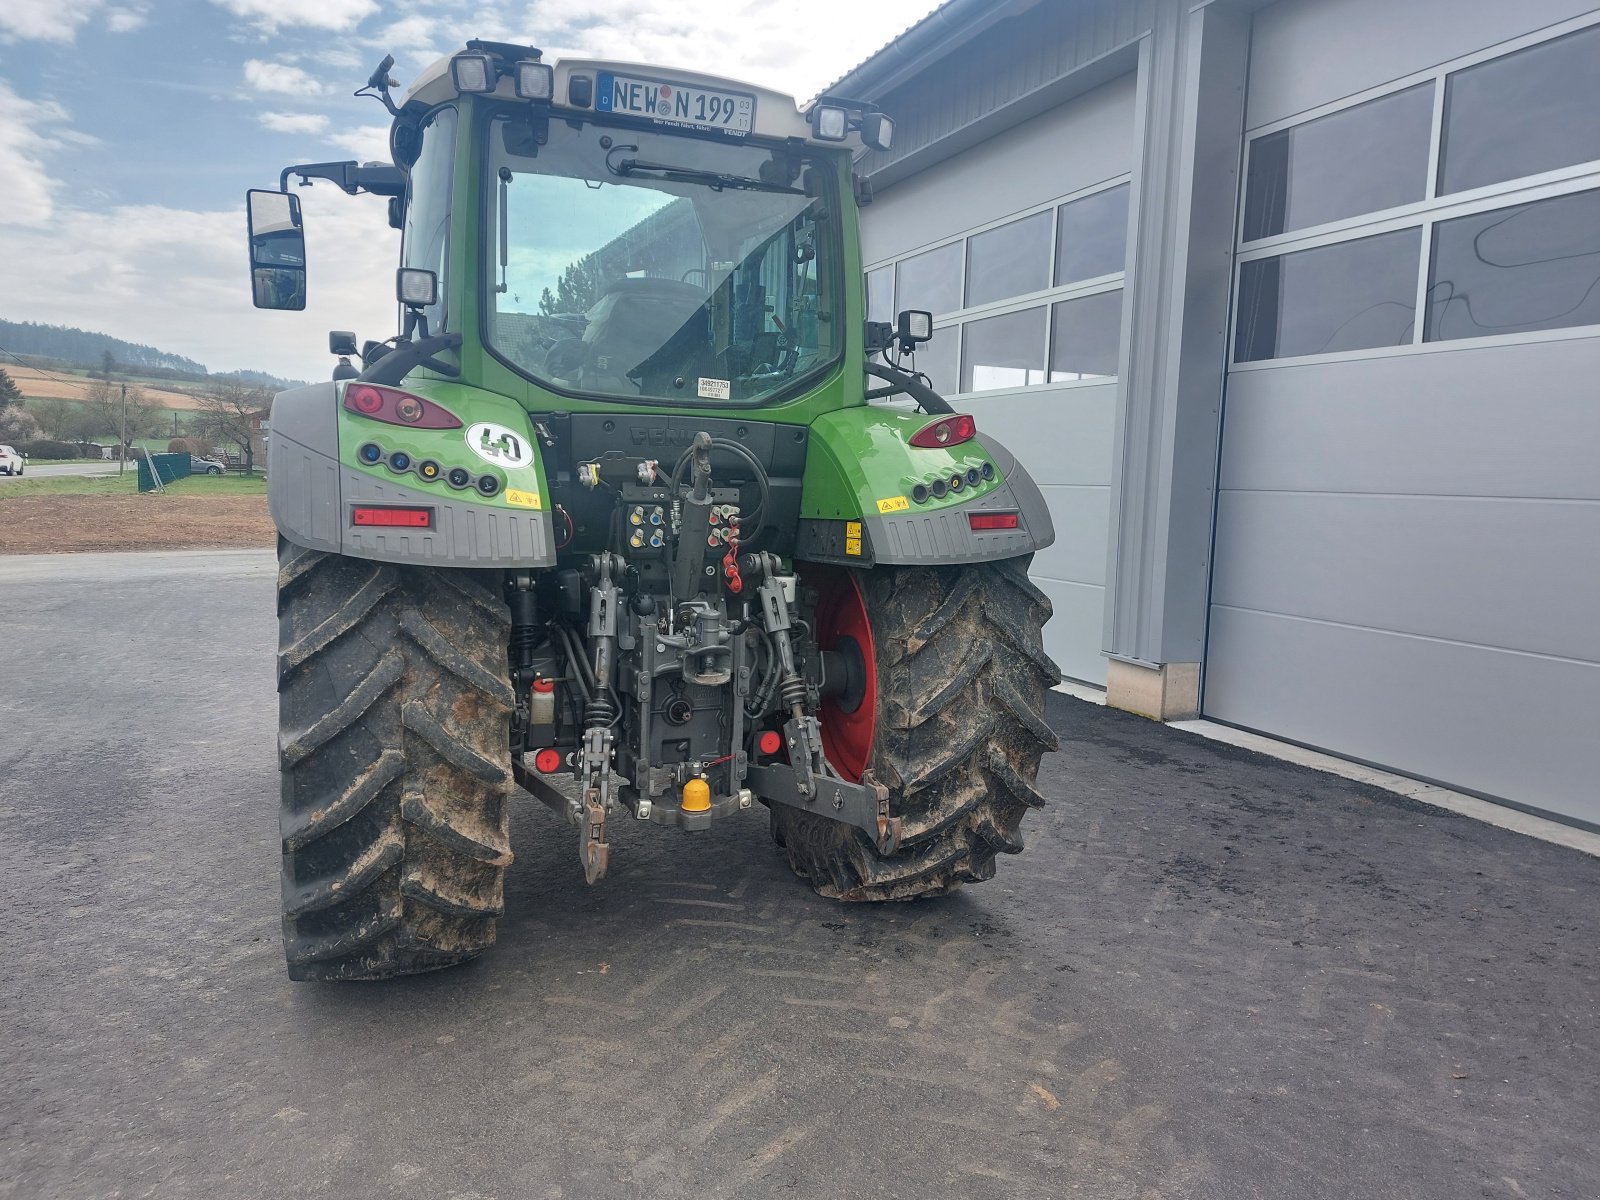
<point x="314" y="484"/>
<point x="859" y="506"/>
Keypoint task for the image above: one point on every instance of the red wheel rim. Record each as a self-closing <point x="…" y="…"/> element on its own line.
<point x="842" y="616"/>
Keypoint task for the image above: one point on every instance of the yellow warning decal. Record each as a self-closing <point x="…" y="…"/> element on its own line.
<point x="893" y="504"/>
<point x="522" y="499"/>
<point x="852" y="538"/>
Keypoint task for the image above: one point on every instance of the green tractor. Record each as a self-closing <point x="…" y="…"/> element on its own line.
<point x="614" y="519"/>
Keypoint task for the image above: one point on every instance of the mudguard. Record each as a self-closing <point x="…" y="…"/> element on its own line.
<point x="316" y="478"/>
<point x="863" y="477"/>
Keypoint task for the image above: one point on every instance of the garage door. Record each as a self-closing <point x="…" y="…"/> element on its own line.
<point x="1407" y="561"/>
<point x="1017" y="246"/>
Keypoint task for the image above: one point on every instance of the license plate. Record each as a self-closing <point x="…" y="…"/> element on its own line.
<point x="675" y="104"/>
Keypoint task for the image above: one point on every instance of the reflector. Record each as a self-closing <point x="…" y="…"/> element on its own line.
<point x="391" y="516"/>
<point x="979" y="521"/>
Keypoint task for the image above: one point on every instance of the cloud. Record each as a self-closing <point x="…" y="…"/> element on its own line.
<point x="44" y="20"/>
<point x="29" y="130"/>
<point x="318" y="14"/>
<point x="281" y="78"/>
<point x="178" y="279"/>
<point x="364" y="143"/>
<point x="125" y="20"/>
<point x="293" y="122"/>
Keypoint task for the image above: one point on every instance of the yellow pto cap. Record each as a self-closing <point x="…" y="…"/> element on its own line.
<point x="697" y="796"/>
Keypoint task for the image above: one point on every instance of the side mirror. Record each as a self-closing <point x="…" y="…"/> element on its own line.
<point x="277" y="250"/>
<point x="912" y="328"/>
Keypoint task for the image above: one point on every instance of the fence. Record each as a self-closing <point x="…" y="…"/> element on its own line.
<point x="166" y="468"/>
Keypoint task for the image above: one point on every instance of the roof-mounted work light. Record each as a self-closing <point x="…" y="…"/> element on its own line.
<point x="829" y="124"/>
<point x="877" y="130"/>
<point x="535" y="80"/>
<point x="472" y="73"/>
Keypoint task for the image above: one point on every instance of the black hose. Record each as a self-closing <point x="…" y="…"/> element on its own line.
<point x="763" y="483"/>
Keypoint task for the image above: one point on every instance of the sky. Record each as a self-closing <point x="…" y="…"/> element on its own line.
<point x="131" y="129"/>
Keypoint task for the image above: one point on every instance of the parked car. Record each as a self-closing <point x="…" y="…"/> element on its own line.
<point x="11" y="463"/>
<point x="205" y="466"/>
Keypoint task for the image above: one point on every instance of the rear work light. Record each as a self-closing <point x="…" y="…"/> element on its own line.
<point x="391" y="516"/>
<point x="981" y="522"/>
<point x="397" y="408"/>
<point x="946" y="431"/>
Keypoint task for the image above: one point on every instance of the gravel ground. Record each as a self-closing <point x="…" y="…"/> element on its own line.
<point x="1210" y="975"/>
<point x="55" y="524"/>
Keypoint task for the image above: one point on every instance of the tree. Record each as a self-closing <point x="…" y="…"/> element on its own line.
<point x="10" y="393"/>
<point x="17" y="425"/>
<point x="54" y="417"/>
<point x="231" y="412"/>
<point x="105" y="402"/>
<point x="108" y="364"/>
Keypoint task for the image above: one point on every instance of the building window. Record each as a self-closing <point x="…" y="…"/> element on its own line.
<point x="880" y="294"/>
<point x="1492" y="246"/>
<point x="1348" y="296"/>
<point x="1085" y="337"/>
<point x="1014" y="311"/>
<point x="1011" y="260"/>
<point x="940" y="360"/>
<point x="1003" y="352"/>
<point x="1092" y="236"/>
<point x="1513" y="270"/>
<point x="1359" y="160"/>
<point x="930" y="281"/>
<point x="1522" y="114"/>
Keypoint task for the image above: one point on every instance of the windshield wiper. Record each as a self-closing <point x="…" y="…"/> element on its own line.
<point x="715" y="180"/>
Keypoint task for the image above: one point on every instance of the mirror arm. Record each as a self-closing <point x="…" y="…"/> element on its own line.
<point x="408" y="356"/>
<point x="928" y="400"/>
<point x="350" y="176"/>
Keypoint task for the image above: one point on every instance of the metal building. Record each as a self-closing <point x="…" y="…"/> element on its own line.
<point x="1294" y="311"/>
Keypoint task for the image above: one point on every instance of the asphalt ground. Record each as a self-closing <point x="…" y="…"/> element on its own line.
<point x="59" y="470"/>
<point x="1211" y="975"/>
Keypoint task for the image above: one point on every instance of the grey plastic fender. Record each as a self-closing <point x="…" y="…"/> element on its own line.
<point x="310" y="494"/>
<point x="945" y="536"/>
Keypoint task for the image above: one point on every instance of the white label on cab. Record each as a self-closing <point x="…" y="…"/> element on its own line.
<point x="498" y="445"/>
<point x="714" y="389"/>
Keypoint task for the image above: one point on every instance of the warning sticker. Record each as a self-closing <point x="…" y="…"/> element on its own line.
<point x="893" y="504"/>
<point x="852" y="538"/>
<point x="522" y="499"/>
<point x="715" y="389"/>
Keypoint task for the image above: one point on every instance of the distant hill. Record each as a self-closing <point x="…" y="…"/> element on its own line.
<point x="64" y="345"/>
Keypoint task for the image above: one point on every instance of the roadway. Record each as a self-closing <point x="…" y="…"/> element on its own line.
<point x="57" y="470"/>
<point x="1211" y="974"/>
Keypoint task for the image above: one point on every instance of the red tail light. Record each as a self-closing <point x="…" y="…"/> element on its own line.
<point x="397" y="408"/>
<point x="981" y="521"/>
<point x="547" y="761"/>
<point x="392" y="516"/>
<point x="946" y="431"/>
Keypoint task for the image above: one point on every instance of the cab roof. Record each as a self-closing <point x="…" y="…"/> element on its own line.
<point x="777" y="114"/>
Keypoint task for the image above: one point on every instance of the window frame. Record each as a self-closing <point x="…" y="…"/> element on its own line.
<point x="1421" y="215"/>
<point x="952" y="322"/>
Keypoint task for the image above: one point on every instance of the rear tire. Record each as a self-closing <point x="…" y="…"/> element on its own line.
<point x="960" y="729"/>
<point x="394" y="717"/>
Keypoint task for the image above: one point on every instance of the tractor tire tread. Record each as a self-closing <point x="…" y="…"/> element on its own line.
<point x="962" y="676"/>
<point x="394" y="710"/>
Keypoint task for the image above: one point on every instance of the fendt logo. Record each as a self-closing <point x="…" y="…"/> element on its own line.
<point x="656" y="435"/>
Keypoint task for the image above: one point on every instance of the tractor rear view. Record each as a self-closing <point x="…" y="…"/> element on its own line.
<point x="614" y="520"/>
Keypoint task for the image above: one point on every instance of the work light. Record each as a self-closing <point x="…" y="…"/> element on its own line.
<point x="877" y="131"/>
<point x="416" y="287"/>
<point x="535" y="80"/>
<point x="828" y="123"/>
<point x="472" y="73"/>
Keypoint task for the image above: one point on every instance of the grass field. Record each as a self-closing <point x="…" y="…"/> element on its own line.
<point x="112" y="485"/>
